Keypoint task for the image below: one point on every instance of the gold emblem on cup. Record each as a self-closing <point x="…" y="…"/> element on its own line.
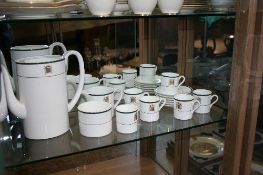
<point x="106" y="99"/>
<point x="133" y="99"/>
<point x="151" y="108"/>
<point x="178" y="105"/>
<point x="171" y="82"/>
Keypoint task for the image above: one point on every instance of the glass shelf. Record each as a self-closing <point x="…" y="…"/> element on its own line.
<point x="19" y="151"/>
<point x="86" y="15"/>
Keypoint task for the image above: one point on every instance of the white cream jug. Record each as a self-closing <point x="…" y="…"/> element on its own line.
<point x="42" y="89"/>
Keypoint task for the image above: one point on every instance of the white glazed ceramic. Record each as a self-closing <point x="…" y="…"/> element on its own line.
<point x="183" y="115"/>
<point x="149" y="117"/>
<point x="148" y="72"/>
<point x="3" y="104"/>
<point x="95" y="130"/>
<point x="18" y="52"/>
<point x="94" y="112"/>
<point x="126" y="114"/>
<point x="170" y="6"/>
<point x="185" y="103"/>
<point x="43" y="94"/>
<point x="106" y="78"/>
<point x="117" y="84"/>
<point x="71" y="86"/>
<point x="167" y="90"/>
<point x="127" y="128"/>
<point x="151" y="104"/>
<point x="170" y="79"/>
<point x="102" y="93"/>
<point x="184" y="90"/>
<point x="133" y="95"/>
<point x="129" y="76"/>
<point x="142" y="7"/>
<point x="101" y="7"/>
<point x="205" y="97"/>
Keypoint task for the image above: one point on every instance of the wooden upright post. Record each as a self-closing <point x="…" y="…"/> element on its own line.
<point x="245" y="88"/>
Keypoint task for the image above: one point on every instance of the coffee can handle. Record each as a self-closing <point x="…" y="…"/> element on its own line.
<point x="183" y="80"/>
<point x="119" y="100"/>
<point x="162" y="102"/>
<point x="216" y="99"/>
<point x="199" y="104"/>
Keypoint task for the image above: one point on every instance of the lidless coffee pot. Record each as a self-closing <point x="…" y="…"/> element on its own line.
<point x="42" y="89"/>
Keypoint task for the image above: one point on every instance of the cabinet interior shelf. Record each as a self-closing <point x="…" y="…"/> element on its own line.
<point x="86" y="15"/>
<point x="19" y="150"/>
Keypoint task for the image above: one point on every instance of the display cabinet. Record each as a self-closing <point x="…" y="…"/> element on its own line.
<point x="197" y="43"/>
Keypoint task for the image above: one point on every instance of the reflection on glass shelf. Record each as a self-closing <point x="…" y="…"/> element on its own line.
<point x="21" y="151"/>
<point x="86" y="15"/>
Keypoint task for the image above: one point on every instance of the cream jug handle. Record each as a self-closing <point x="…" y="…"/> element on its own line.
<point x="3" y="62"/>
<point x="75" y="99"/>
<point x="53" y="45"/>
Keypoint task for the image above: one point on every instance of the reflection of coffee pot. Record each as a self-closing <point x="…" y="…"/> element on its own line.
<point x="42" y="95"/>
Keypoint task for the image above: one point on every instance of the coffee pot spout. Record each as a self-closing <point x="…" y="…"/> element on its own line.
<point x="3" y="62"/>
<point x="15" y="106"/>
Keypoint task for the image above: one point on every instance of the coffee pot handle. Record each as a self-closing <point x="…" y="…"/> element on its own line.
<point x="119" y="100"/>
<point x="216" y="99"/>
<point x="75" y="99"/>
<point x="53" y="45"/>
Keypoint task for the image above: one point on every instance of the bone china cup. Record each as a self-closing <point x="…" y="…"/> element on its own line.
<point x="101" y="7"/>
<point x="117" y="84"/>
<point x="150" y="107"/>
<point x="148" y="72"/>
<point x="109" y="77"/>
<point x="170" y="6"/>
<point x="205" y="98"/>
<point x="184" y="106"/>
<point x="102" y="93"/>
<point x="95" y="118"/>
<point x="133" y="95"/>
<point x="172" y="79"/>
<point x="129" y="76"/>
<point x="126" y="118"/>
<point x="142" y="7"/>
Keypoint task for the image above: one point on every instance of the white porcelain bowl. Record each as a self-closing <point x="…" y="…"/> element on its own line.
<point x="142" y="7"/>
<point x="101" y="7"/>
<point x="170" y="6"/>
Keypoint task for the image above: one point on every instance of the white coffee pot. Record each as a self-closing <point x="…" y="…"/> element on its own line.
<point x="42" y="89"/>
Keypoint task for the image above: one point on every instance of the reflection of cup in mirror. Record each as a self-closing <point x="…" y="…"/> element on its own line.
<point x="202" y="118"/>
<point x="205" y="98"/>
<point x="172" y="79"/>
<point x="117" y="84"/>
<point x="129" y="76"/>
<point x="148" y="72"/>
<point x="109" y="77"/>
